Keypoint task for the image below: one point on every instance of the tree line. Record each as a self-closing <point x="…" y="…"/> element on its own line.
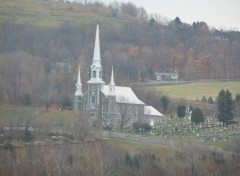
<point x="30" y="55"/>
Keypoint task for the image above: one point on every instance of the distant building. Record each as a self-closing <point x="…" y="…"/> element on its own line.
<point x="109" y="103"/>
<point x="159" y="76"/>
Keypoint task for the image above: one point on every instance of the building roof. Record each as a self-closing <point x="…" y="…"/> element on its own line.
<point x="123" y="95"/>
<point x="151" y="111"/>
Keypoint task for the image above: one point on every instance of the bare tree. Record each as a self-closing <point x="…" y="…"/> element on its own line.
<point x="82" y="127"/>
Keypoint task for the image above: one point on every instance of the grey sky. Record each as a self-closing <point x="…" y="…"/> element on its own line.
<point x="222" y="14"/>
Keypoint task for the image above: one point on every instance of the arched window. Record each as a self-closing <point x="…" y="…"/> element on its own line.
<point x="100" y="74"/>
<point x="103" y="111"/>
<point x="93" y="100"/>
<point x="94" y="74"/>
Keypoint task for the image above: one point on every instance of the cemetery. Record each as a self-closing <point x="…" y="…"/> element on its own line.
<point x="210" y="130"/>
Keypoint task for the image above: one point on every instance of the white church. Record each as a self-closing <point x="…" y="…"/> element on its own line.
<point x="111" y="105"/>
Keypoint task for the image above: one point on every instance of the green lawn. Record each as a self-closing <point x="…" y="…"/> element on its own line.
<point x="196" y="90"/>
<point x="52" y="14"/>
<point x="52" y="117"/>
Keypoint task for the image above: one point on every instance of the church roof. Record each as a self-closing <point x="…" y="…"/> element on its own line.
<point x="151" y="111"/>
<point x="123" y="95"/>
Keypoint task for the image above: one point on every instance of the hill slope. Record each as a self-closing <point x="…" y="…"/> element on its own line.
<point x="52" y="14"/>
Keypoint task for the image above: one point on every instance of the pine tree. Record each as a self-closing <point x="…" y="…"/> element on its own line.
<point x="165" y="103"/>
<point x="225" y="106"/>
<point x="197" y="116"/>
<point x="181" y="111"/>
<point x="229" y="106"/>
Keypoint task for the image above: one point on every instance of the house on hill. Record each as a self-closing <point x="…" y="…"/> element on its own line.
<point x="111" y="104"/>
<point x="160" y="76"/>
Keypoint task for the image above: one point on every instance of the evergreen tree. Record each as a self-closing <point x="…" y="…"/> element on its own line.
<point x="165" y="103"/>
<point x="210" y="100"/>
<point x="229" y="105"/>
<point x="181" y="111"/>
<point x="237" y="99"/>
<point x="225" y="106"/>
<point x="197" y="116"/>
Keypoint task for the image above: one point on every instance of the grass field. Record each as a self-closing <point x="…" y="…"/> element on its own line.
<point x="52" y="14"/>
<point x="196" y="90"/>
<point x="52" y="117"/>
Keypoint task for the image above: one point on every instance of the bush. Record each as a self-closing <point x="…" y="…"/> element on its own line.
<point x="197" y="116"/>
<point x="181" y="111"/>
<point x="141" y="127"/>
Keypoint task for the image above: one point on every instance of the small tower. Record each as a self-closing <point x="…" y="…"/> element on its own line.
<point x="95" y="83"/>
<point x="111" y="101"/>
<point x="78" y="101"/>
<point x="112" y="92"/>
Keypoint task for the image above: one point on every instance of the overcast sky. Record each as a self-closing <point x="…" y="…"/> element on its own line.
<point x="222" y="14"/>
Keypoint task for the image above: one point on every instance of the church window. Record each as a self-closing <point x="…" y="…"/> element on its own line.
<point x="94" y="74"/>
<point x="100" y="74"/>
<point x="93" y="100"/>
<point x="103" y="111"/>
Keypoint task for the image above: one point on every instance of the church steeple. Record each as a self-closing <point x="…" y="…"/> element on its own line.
<point x="95" y="83"/>
<point x="112" y="85"/>
<point x="79" y="85"/>
<point x="96" y="67"/>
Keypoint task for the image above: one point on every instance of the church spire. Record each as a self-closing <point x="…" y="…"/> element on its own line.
<point x="96" y="55"/>
<point x="96" y="67"/>
<point x="79" y="85"/>
<point x="112" y="85"/>
<point x="112" y="79"/>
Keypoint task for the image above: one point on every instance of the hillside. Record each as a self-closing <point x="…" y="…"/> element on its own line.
<point x="38" y="35"/>
<point x="47" y="13"/>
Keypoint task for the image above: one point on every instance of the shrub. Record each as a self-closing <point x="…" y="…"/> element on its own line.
<point x="197" y="116"/>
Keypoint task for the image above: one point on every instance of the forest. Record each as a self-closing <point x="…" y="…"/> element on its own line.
<point x="38" y="63"/>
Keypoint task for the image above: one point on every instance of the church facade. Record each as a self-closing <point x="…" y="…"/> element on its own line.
<point x="110" y="104"/>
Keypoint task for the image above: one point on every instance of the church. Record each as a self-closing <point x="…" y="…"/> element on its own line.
<point x="111" y="105"/>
